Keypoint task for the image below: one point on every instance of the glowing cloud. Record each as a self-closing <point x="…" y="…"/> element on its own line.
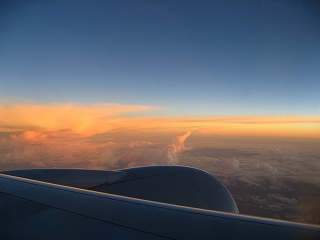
<point x="177" y="146"/>
<point x="73" y="117"/>
<point x="30" y="136"/>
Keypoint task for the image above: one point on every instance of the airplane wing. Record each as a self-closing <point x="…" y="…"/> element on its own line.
<point x="158" y="202"/>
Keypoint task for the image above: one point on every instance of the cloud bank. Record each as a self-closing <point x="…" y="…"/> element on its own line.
<point x="98" y="118"/>
<point x="83" y="119"/>
<point x="268" y="175"/>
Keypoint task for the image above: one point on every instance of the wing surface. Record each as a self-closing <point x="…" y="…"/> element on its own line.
<point x="32" y="209"/>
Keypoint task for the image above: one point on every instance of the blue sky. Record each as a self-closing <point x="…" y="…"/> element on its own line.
<point x="196" y="58"/>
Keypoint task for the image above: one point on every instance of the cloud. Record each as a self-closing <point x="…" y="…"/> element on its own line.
<point x="235" y="164"/>
<point x="87" y="119"/>
<point x="133" y="144"/>
<point x="287" y="126"/>
<point x="276" y="202"/>
<point x="177" y="146"/>
<point x="31" y="136"/>
<point x="91" y="119"/>
<point x="278" y="172"/>
<point x="178" y="143"/>
<point x="106" y="136"/>
<point x="282" y="199"/>
<point x="37" y="149"/>
<point x="268" y="177"/>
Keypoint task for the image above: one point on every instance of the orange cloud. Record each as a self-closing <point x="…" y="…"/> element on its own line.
<point x="177" y="146"/>
<point x="31" y="136"/>
<point x="287" y="126"/>
<point x="73" y="117"/>
<point x="58" y="120"/>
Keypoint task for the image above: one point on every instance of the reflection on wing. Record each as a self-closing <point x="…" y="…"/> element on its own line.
<point x="175" y="185"/>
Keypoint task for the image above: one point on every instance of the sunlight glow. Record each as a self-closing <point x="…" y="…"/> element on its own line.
<point x="99" y="118"/>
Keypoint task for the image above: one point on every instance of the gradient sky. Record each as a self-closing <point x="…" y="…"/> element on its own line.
<point x="230" y="87"/>
<point x="192" y="58"/>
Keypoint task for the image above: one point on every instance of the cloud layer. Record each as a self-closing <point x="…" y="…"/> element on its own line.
<point x="98" y="118"/>
<point x="83" y="119"/>
<point x="271" y="165"/>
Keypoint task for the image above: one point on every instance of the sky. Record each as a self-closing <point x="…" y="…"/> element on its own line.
<point x="192" y="58"/>
<point x="231" y="87"/>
